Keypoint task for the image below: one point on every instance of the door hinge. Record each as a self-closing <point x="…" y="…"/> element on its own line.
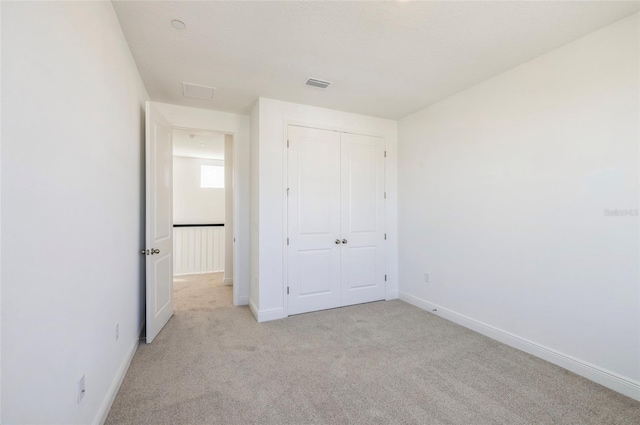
<point x="385" y="277"/>
<point x="385" y="236"/>
<point x="287" y="191"/>
<point x="385" y="195"/>
<point x="385" y="154"/>
<point x="287" y="241"/>
<point x="287" y="290"/>
<point x="287" y="143"/>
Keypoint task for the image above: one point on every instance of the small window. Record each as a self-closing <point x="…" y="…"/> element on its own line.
<point x="211" y="176"/>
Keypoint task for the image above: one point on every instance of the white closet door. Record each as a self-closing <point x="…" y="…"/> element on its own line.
<point x="314" y="219"/>
<point x="362" y="219"/>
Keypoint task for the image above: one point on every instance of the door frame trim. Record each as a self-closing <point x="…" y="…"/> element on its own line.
<point x="285" y="215"/>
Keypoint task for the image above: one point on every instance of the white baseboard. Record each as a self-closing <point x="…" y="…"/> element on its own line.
<point x="621" y="384"/>
<point x="392" y="295"/>
<point x="109" y="398"/>
<point x="274" y="314"/>
<point x="227" y="281"/>
<point x="198" y="272"/>
<point x="243" y="300"/>
<point x="253" y="308"/>
<point x="266" y="315"/>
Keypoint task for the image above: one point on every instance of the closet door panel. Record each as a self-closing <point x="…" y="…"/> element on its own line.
<point x="362" y="219"/>
<point x="313" y="205"/>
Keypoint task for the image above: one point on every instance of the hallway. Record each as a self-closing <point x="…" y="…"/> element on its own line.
<point x="201" y="292"/>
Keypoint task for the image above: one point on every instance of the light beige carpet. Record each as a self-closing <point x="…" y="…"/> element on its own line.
<point x="378" y="363"/>
<point x="201" y="292"/>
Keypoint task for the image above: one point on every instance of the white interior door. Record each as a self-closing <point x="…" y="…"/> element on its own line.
<point x="362" y="219"/>
<point x="313" y="219"/>
<point x="159" y="221"/>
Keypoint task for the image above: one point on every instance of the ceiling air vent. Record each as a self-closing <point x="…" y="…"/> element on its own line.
<point x="319" y="84"/>
<point x="198" y="92"/>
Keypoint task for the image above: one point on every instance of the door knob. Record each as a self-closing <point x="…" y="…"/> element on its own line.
<point x="155" y="251"/>
<point x="337" y="241"/>
<point x="344" y="241"/>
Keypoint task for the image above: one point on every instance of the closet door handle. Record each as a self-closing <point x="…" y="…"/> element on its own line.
<point x="337" y="241"/>
<point x="344" y="241"/>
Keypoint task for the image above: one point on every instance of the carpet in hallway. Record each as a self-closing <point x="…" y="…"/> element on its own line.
<point x="203" y="291"/>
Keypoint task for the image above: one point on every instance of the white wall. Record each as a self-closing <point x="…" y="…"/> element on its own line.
<point x="503" y="189"/>
<point x="72" y="212"/>
<point x="0" y="234"/>
<point x="228" y="209"/>
<point x="193" y="204"/>
<point x="238" y="126"/>
<point x="272" y="117"/>
<point x="254" y="299"/>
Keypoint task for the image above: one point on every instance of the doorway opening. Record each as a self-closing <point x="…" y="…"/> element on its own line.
<point x="203" y="211"/>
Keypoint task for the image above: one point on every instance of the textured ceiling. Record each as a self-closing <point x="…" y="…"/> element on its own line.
<point x="198" y="144"/>
<point x="386" y="59"/>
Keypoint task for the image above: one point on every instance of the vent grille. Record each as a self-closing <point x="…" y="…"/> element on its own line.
<point x="319" y="84"/>
<point x="198" y="92"/>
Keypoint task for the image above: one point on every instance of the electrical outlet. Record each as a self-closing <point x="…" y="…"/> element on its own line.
<point x="117" y="331"/>
<point x="426" y="277"/>
<point x="81" y="389"/>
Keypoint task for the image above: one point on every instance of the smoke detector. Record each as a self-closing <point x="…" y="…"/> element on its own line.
<point x="198" y="92"/>
<point x="318" y="84"/>
<point x="179" y="25"/>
